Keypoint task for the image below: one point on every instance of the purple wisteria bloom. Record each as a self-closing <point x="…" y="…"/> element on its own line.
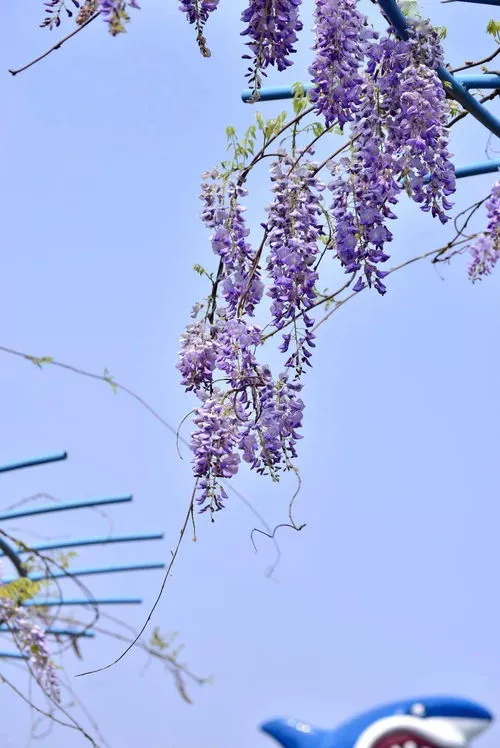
<point x="400" y="140"/>
<point x="417" y="125"/>
<point x="222" y="211"/>
<point x="485" y="251"/>
<point x="341" y="39"/>
<point x="269" y="444"/>
<point x="293" y="229"/>
<point x="214" y="445"/>
<point x="272" y="26"/>
<point x="197" y="13"/>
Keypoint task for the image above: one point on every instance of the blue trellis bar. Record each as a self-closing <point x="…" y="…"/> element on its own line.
<point x="286" y="92"/>
<point x="490" y="80"/>
<point x="63" y="507"/>
<point x="84" y="601"/>
<point x="35" y="461"/>
<point x="88" y="634"/>
<point x="90" y="541"/>
<point x="486" y="167"/>
<point x="478" y="2"/>
<point x="88" y="572"/>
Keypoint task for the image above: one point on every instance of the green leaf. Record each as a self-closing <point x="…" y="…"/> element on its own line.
<point x="110" y="380"/>
<point x="493" y="28"/>
<point x="40" y="361"/>
<point x="20" y="590"/>
<point x="318" y="129"/>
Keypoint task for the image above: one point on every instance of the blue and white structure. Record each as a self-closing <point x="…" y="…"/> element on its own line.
<point x="423" y="722"/>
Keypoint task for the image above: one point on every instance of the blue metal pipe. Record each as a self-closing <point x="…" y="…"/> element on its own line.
<point x="33" y="462"/>
<point x="486" y="167"/>
<point x="479" y="81"/>
<point x="278" y="93"/>
<point x="465" y="99"/>
<point x="75" y="601"/>
<point x="57" y="632"/>
<point x="13" y="656"/>
<point x="63" y="507"/>
<point x="275" y="93"/>
<point x="89" y="572"/>
<point x="479" y="2"/>
<point x="90" y="541"/>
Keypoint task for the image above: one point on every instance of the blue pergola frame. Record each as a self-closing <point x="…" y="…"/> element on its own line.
<point x="14" y="555"/>
<point x="457" y="86"/>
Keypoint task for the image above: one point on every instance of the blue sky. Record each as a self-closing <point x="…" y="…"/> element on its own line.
<point x="391" y="589"/>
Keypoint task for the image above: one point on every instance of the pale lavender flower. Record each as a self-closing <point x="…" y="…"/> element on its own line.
<point x="214" y="445"/>
<point x="242" y="286"/>
<point x="32" y="641"/>
<point x="293" y="229"/>
<point x="341" y="39"/>
<point x="485" y="252"/>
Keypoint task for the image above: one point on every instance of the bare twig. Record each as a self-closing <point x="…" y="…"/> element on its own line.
<point x="58" y="45"/>
<point x="469" y="65"/>
<point x="158" y="597"/>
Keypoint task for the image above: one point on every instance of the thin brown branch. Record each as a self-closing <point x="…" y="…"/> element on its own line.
<point x="158" y="597"/>
<point x="58" y="45"/>
<point x="469" y="65"/>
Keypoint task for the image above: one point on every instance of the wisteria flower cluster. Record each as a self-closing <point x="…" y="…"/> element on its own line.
<point x="197" y="13"/>
<point x="386" y="91"/>
<point x="400" y="141"/>
<point x="485" y="252"/>
<point x="114" y="12"/>
<point x="32" y="642"/>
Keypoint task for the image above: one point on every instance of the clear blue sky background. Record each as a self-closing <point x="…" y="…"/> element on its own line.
<point x="392" y="588"/>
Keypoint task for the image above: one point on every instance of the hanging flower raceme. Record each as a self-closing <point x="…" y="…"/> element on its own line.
<point x="400" y="139"/>
<point x="293" y="231"/>
<point x="341" y="39"/>
<point x="239" y="273"/>
<point x="272" y="26"/>
<point x="386" y="90"/>
<point x="365" y="184"/>
<point x="32" y="642"/>
<point x="115" y="14"/>
<point x="417" y="125"/>
<point x="485" y="251"/>
<point x="197" y="13"/>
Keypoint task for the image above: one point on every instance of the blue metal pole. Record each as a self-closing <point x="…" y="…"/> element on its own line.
<point x="35" y="461"/>
<point x="57" y="632"/>
<point x="13" y="656"/>
<point x="63" y="507"/>
<point x="479" y="2"/>
<point x="89" y="572"/>
<point x="479" y="81"/>
<point x="90" y="541"/>
<point x="97" y="601"/>
<point x="486" y="167"/>
<point x="278" y="93"/>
